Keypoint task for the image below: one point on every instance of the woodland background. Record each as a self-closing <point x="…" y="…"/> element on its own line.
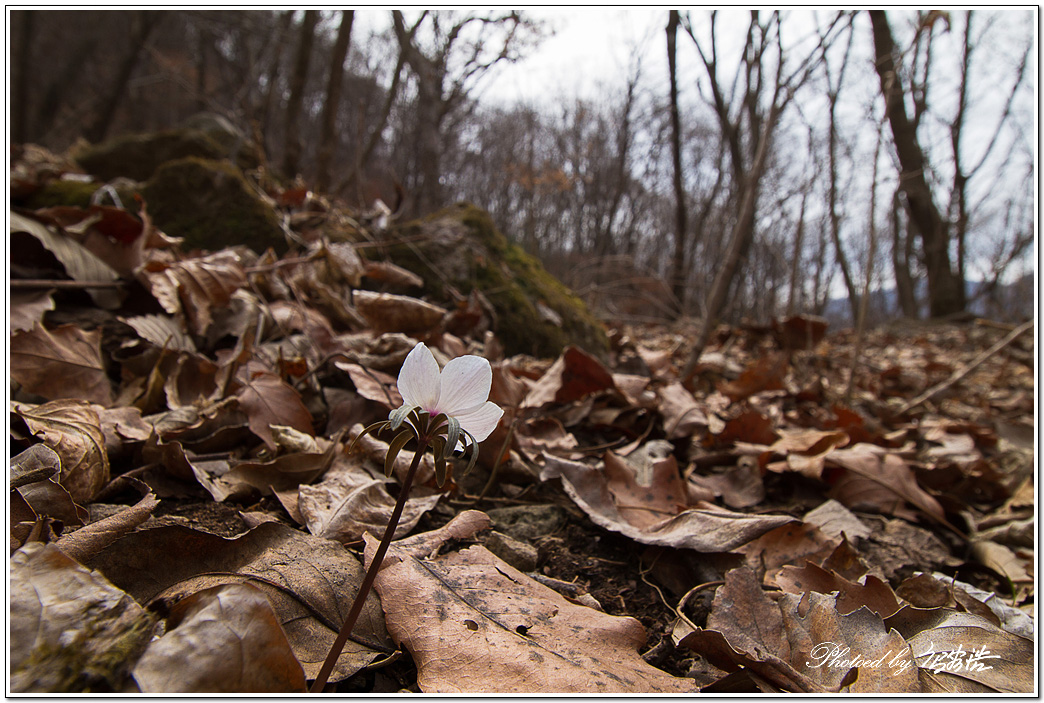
<point x="761" y="177"/>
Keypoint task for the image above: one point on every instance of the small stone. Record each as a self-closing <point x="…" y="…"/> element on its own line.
<point x="518" y="554"/>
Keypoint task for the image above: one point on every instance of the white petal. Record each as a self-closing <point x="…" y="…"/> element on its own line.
<point x="419" y="379"/>
<point x="482" y="420"/>
<point x="466" y="381"/>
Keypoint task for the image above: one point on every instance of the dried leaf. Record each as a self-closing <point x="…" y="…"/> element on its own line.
<point x="87" y="541"/>
<point x="699" y="529"/>
<point x="72" y="429"/>
<point x="79" y="263"/>
<point x="888" y="474"/>
<point x="573" y="376"/>
<point x="268" y="400"/>
<point x="947" y="642"/>
<point x="350" y="502"/>
<point x="161" y="330"/>
<point x="65" y="362"/>
<point x="70" y="629"/>
<point x="764" y="374"/>
<point x="309" y="582"/>
<point x="385" y="312"/>
<point x="225" y="639"/>
<point x="474" y="624"/>
<point x="29" y="307"/>
<point x="681" y="414"/>
<point x="874" y="594"/>
<point x="195" y="287"/>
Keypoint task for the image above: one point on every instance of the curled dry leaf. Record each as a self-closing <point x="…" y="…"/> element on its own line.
<point x="305" y="578"/>
<point x="72" y="429"/>
<point x="802" y="643"/>
<point x="269" y="400"/>
<point x="695" y="528"/>
<point x="29" y="307"/>
<point x="225" y="639"/>
<point x="884" y="478"/>
<point x="161" y="330"/>
<point x="79" y="263"/>
<point x="87" y="541"/>
<point x="574" y="375"/>
<point x="285" y="472"/>
<point x="1007" y="660"/>
<point x="65" y="362"/>
<point x="194" y="287"/>
<point x="474" y="624"/>
<point x="682" y="415"/>
<point x="385" y="312"/>
<point x="349" y="502"/>
<point x="70" y="629"/>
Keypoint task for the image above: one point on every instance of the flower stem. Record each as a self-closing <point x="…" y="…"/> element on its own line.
<point x="371" y="575"/>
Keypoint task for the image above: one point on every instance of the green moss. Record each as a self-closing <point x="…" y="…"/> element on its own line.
<point x="462" y="247"/>
<point x="211" y="205"/>
<point x="137" y="156"/>
<point x="62" y="192"/>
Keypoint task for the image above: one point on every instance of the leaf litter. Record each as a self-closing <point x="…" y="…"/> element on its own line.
<point x="179" y="458"/>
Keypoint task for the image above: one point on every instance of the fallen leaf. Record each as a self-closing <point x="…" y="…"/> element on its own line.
<point x="72" y="429"/>
<point x="474" y="624"/>
<point x="65" y="362"/>
<point x="887" y="478"/>
<point x="225" y="639"/>
<point x="874" y="594"/>
<point x="947" y="642"/>
<point x="87" y="541"/>
<point x="695" y="528"/>
<point x="574" y="375"/>
<point x="161" y="330"/>
<point x="70" y="630"/>
<point x="349" y="502"/>
<point x="195" y="287"/>
<point x="309" y="581"/>
<point x="79" y="263"/>
<point x="764" y="374"/>
<point x="680" y="411"/>
<point x="28" y="308"/>
<point x="385" y="312"/>
<point x="268" y="400"/>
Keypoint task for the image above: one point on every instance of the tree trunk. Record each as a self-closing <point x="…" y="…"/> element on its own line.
<point x="298" y="80"/>
<point x="20" y="71"/>
<point x="146" y="21"/>
<point x="739" y="241"/>
<point x="328" y="138"/>
<point x="681" y="224"/>
<point x="902" y="253"/>
<point x="945" y="288"/>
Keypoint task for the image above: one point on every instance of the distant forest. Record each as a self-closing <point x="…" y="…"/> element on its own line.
<point x="788" y="160"/>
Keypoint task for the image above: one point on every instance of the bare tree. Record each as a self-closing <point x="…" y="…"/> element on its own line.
<point x="298" y="79"/>
<point x="145" y="22"/>
<point x="328" y="122"/>
<point x="681" y="224"/>
<point x="463" y="48"/>
<point x="748" y="131"/>
<point x="946" y="294"/>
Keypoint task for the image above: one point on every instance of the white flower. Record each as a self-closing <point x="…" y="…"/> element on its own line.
<point x="460" y="392"/>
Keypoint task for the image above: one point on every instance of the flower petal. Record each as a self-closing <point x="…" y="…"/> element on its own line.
<point x="466" y="381"/>
<point x="480" y="421"/>
<point x="419" y="379"/>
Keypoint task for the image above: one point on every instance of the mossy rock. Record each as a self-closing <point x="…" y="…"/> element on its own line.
<point x="137" y="156"/>
<point x="461" y="247"/>
<point x="212" y="206"/>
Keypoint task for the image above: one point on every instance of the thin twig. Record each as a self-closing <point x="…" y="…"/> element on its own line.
<point x="34" y="283"/>
<point x="371" y="574"/>
<point x="961" y="373"/>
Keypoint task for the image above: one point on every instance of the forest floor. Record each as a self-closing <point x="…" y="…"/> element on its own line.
<point x="800" y="489"/>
